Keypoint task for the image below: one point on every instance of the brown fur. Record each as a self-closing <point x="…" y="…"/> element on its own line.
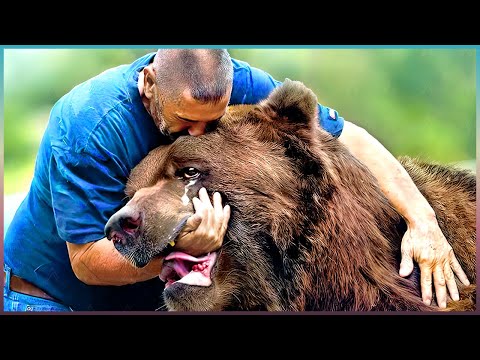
<point x="310" y="228"/>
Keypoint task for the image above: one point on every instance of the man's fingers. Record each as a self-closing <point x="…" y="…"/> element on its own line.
<point x="204" y="231"/>
<point x="197" y="204"/>
<point x="457" y="269"/>
<point x="193" y="222"/>
<point x="226" y="217"/>
<point x="406" y="265"/>
<point x="203" y="196"/>
<point x="450" y="281"/>
<point x="217" y="206"/>
<point x="440" y="288"/>
<point x="426" y="284"/>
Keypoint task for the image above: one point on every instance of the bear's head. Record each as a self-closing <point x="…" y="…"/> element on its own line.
<point x="284" y="178"/>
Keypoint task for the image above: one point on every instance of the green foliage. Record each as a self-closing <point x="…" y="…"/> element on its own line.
<point x="417" y="102"/>
<point x="34" y="81"/>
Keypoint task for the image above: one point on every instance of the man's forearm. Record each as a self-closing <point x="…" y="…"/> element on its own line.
<point x="99" y="263"/>
<point x="393" y="179"/>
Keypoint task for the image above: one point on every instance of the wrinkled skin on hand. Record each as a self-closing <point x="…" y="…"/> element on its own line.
<point x="205" y="230"/>
<point x="426" y="244"/>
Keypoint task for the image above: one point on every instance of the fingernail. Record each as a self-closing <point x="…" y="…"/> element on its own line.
<point x="455" y="297"/>
<point x="443" y="304"/>
<point x="426" y="302"/>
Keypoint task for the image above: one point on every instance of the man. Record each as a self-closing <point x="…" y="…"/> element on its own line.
<point x="56" y="255"/>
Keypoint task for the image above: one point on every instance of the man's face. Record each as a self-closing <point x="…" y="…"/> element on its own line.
<point x="187" y="114"/>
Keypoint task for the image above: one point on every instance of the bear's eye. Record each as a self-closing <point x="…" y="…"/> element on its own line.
<point x="188" y="173"/>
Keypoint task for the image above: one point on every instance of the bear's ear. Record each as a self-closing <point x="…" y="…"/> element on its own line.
<point x="293" y="103"/>
<point x="148" y="170"/>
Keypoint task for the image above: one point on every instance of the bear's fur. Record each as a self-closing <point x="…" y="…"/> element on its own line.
<point x="310" y="228"/>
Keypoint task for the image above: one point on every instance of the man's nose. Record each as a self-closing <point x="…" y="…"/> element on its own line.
<point x="197" y="129"/>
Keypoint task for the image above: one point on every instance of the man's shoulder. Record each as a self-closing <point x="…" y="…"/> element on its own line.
<point x="100" y="93"/>
<point x="241" y="80"/>
<point x="242" y="71"/>
<point x="77" y="114"/>
<point x="99" y="102"/>
<point x="250" y="84"/>
<point x="240" y="64"/>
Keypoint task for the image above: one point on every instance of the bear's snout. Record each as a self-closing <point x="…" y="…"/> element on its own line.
<point x="124" y="226"/>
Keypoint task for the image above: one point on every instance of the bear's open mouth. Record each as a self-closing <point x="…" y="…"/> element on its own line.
<point x="183" y="268"/>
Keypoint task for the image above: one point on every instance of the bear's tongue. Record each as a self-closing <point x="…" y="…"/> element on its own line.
<point x="191" y="270"/>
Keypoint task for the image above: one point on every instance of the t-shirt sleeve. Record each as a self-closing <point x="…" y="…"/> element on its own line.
<point x="86" y="190"/>
<point x="251" y="85"/>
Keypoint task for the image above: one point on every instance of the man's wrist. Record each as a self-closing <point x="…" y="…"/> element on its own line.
<point x="421" y="217"/>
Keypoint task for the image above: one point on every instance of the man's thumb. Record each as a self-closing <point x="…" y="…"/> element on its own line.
<point x="193" y="223"/>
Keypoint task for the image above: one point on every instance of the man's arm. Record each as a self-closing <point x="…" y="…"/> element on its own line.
<point x="99" y="263"/>
<point x="423" y="242"/>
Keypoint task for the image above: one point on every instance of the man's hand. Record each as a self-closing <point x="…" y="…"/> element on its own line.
<point x="204" y="231"/>
<point x="423" y="242"/>
<point x="426" y="244"/>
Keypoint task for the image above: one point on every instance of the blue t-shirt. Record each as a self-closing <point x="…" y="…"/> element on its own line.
<point x="250" y="85"/>
<point x="95" y="135"/>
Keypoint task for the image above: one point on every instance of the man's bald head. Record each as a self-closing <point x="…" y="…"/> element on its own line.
<point x="207" y="73"/>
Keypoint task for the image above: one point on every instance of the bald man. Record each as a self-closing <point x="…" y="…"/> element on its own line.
<point x="56" y="255"/>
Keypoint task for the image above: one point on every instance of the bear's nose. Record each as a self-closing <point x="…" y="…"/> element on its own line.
<point x="125" y="222"/>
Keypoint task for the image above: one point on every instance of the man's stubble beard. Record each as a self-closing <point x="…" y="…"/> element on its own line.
<point x="159" y="119"/>
<point x="162" y="125"/>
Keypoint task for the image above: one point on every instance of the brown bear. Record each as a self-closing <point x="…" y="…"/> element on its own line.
<point x="310" y="228"/>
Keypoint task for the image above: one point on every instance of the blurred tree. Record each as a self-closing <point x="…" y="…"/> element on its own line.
<point x="417" y="102"/>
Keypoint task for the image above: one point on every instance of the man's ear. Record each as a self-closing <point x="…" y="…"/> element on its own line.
<point x="149" y="82"/>
<point x="292" y="103"/>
